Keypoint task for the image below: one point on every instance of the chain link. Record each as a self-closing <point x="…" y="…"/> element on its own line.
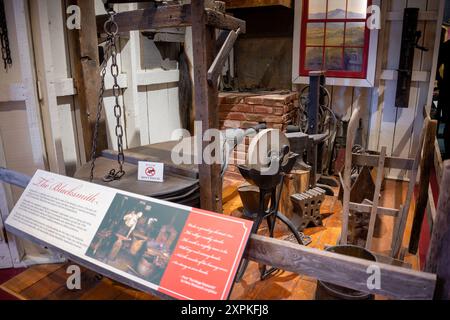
<point x="111" y="29"/>
<point x="4" y="39"/>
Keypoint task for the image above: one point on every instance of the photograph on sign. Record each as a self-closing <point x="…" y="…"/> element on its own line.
<point x="138" y="237"/>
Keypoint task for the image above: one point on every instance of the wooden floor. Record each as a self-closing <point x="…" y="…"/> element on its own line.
<point x="49" y="281"/>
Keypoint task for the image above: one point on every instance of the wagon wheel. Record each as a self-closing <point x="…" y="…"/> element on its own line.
<point x="325" y="112"/>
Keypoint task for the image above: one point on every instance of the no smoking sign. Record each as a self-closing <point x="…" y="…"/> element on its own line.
<point x="151" y="171"/>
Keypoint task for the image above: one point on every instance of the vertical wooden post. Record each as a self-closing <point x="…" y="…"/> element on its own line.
<point x="438" y="258"/>
<point x="83" y="44"/>
<point x="376" y="198"/>
<point x="28" y="77"/>
<point x="206" y="103"/>
<point x="45" y="76"/>
<point x="425" y="171"/>
<point x="400" y="224"/>
<point x="347" y="186"/>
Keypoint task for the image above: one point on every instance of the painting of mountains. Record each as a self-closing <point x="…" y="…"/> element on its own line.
<point x="335" y="45"/>
<point x="315" y="34"/>
<point x="336" y="14"/>
<point x="334" y="35"/>
<point x="355" y="34"/>
<point x="337" y="9"/>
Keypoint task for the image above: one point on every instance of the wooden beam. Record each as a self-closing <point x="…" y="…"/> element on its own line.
<point x="150" y="18"/>
<point x="397" y="237"/>
<point x="13" y="177"/>
<point x="42" y="44"/>
<point x="224" y="21"/>
<point x="419" y="76"/>
<point x="25" y="57"/>
<point x="376" y="198"/>
<point x="438" y="163"/>
<point x="438" y="258"/>
<point x="390" y="162"/>
<point x="168" y="17"/>
<point x="347" y="185"/>
<point x="423" y="16"/>
<point x="206" y="104"/>
<point x="12" y="92"/>
<point x="217" y="66"/>
<point x="238" y="4"/>
<point x="367" y="208"/>
<point x="340" y="270"/>
<point x="83" y="46"/>
<point x="422" y="199"/>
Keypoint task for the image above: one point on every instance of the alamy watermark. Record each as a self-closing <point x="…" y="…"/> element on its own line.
<point x="74" y="17"/>
<point x="74" y="280"/>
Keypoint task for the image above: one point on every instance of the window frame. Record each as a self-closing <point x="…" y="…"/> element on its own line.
<point x="365" y="78"/>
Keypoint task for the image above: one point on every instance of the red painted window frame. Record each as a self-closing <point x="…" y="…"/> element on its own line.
<point x="333" y="73"/>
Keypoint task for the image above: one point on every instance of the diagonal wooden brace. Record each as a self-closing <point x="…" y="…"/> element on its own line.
<point x="218" y="63"/>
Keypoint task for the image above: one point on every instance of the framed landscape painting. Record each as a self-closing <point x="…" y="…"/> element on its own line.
<point x="332" y="35"/>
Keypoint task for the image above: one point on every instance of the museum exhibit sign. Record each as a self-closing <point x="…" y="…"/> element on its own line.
<point x="153" y="245"/>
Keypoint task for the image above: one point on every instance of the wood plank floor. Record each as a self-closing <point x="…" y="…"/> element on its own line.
<point x="49" y="281"/>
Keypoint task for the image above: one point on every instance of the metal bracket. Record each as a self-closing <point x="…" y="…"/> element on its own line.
<point x="307" y="205"/>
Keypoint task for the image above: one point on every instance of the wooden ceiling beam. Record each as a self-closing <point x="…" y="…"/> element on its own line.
<point x="168" y="17"/>
<point x="238" y="4"/>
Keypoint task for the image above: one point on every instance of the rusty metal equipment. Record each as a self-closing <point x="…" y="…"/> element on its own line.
<point x="410" y="41"/>
<point x="307" y="207"/>
<point x="270" y="182"/>
<point x="314" y="137"/>
<point x="181" y="184"/>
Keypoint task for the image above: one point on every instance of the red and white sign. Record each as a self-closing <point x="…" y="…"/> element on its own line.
<point x="151" y="171"/>
<point x="183" y="252"/>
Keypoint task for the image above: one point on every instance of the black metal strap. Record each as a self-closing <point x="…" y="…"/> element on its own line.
<point x="4" y="39"/>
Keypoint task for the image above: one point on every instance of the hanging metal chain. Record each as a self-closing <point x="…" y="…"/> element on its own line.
<point x="111" y="29"/>
<point x="6" y="52"/>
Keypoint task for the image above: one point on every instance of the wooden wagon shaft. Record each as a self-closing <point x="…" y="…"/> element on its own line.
<point x="438" y="259"/>
<point x="425" y="173"/>
<point x="367" y="208"/>
<point x="390" y="162"/>
<point x="168" y="17"/>
<point x="330" y="267"/>
<point x="376" y="198"/>
<point x="351" y="132"/>
<point x="397" y="237"/>
<point x="217" y="66"/>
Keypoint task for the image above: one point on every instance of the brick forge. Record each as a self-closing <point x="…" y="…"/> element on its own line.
<point x="245" y="110"/>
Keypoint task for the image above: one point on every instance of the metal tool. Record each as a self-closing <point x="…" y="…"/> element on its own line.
<point x="111" y="29"/>
<point x="307" y="207"/>
<point x="410" y="40"/>
<point x="269" y="177"/>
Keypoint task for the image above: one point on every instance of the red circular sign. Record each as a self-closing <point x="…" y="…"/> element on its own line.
<point x="150" y="171"/>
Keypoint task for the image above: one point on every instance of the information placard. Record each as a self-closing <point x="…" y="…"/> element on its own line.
<point x="182" y="252"/>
